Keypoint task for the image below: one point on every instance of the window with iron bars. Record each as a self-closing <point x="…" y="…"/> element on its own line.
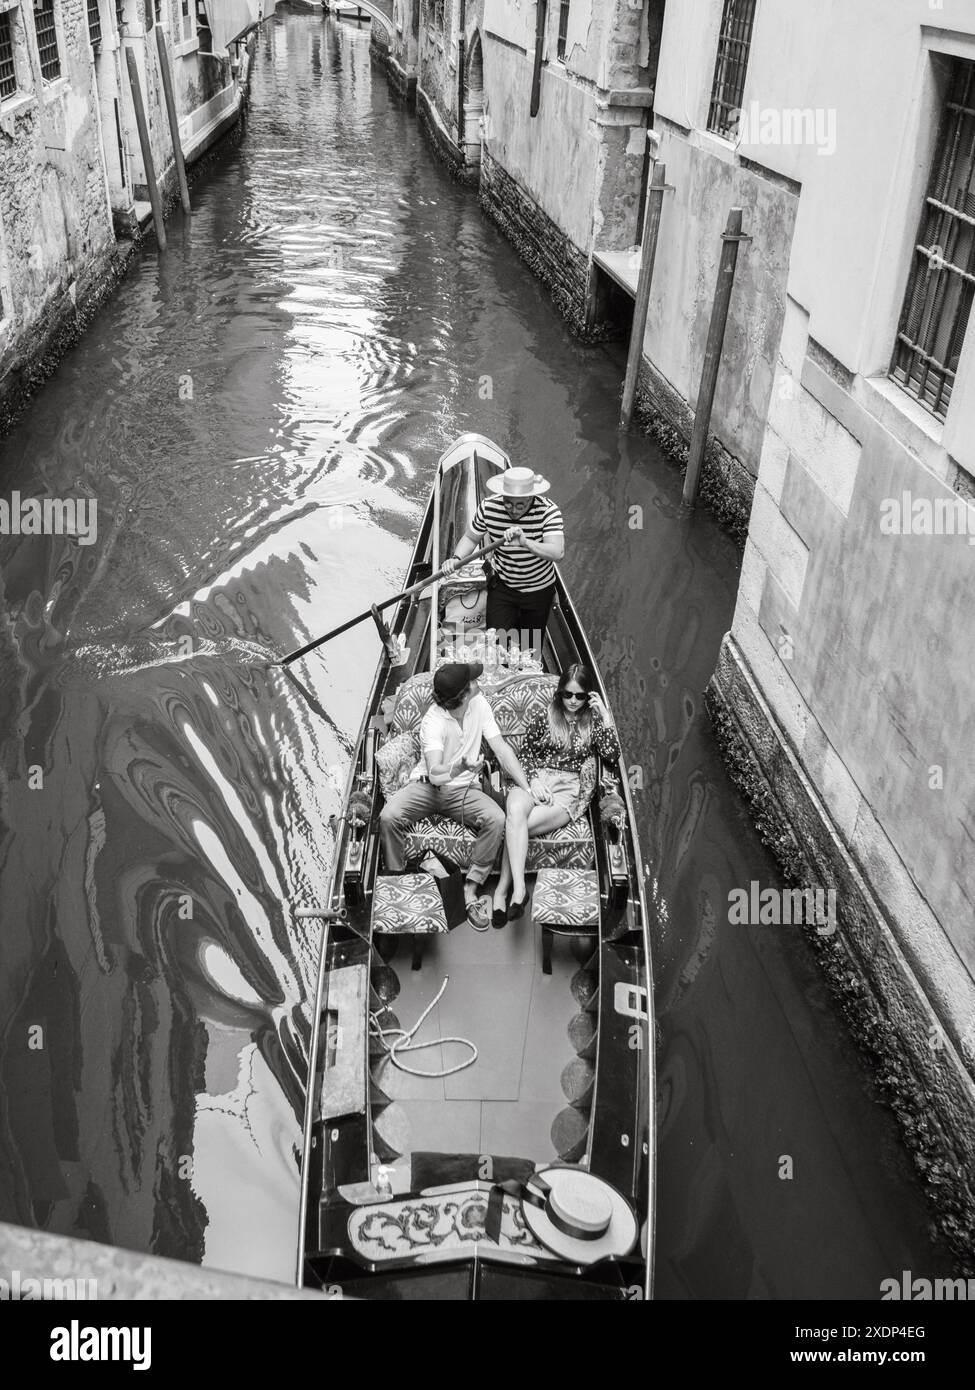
<point x="47" y="39"/>
<point x="8" y="68"/>
<point x="731" y="64"/>
<point x="119" y="14"/>
<point x="94" y="24"/>
<point x="563" y="29"/>
<point x="942" y="281"/>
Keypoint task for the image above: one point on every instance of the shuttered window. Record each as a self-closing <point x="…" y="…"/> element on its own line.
<point x="942" y="282"/>
<point x="563" y="28"/>
<point x="8" y="70"/>
<point x="47" y="39"/>
<point x="94" y="24"/>
<point x="728" y="86"/>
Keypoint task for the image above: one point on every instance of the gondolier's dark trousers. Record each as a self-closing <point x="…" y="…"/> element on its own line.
<point x="519" y="610"/>
<point x="469" y="805"/>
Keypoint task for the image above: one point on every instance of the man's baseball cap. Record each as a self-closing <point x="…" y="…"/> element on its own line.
<point x="450" y="680"/>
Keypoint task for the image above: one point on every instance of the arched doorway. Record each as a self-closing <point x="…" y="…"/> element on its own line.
<point x="473" y="101"/>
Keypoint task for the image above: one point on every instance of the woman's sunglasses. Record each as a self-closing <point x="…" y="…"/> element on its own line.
<point x="573" y="694"/>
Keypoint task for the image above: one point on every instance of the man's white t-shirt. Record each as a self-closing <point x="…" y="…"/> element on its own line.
<point x="446" y="740"/>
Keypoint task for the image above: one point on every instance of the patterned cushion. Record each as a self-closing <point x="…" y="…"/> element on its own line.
<point x="518" y="698"/>
<point x="566" y="898"/>
<point x="512" y="701"/>
<point x="570" y="847"/>
<point x="412" y="702"/>
<point x="407" y="904"/>
<point x="439" y="1226"/>
<point x="395" y="760"/>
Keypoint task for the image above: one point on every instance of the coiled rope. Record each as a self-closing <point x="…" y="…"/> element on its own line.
<point x="404" y="1041"/>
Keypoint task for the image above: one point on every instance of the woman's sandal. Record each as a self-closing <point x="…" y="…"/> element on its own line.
<point x="478" y="913"/>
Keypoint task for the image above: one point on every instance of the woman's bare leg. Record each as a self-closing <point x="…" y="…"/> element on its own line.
<point x="545" y="818"/>
<point x="519" y="828"/>
<point x="504" y="882"/>
<point x="519" y="807"/>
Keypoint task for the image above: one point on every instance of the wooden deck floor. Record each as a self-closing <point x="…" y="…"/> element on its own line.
<point x="516" y="1016"/>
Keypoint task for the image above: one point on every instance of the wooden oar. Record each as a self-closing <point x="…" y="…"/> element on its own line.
<point x="362" y="617"/>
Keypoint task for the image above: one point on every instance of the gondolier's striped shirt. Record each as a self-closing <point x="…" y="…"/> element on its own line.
<point x="515" y="566"/>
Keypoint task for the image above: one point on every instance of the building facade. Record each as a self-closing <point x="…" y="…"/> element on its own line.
<point x="846" y="680"/>
<point x="71" y="169"/>
<point x="56" y="236"/>
<point x="545" y="108"/>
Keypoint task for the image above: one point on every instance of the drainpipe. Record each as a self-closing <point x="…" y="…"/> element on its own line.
<point x="461" y="51"/>
<point x="541" y="13"/>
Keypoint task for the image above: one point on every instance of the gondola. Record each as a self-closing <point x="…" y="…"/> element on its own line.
<point x="529" y="1172"/>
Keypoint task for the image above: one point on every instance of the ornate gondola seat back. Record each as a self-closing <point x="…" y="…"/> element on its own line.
<point x="412" y="702"/>
<point x="513" y="702"/>
<point x="516" y="699"/>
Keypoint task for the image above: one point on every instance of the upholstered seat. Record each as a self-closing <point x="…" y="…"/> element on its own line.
<point x="565" y="903"/>
<point x="513" y="701"/>
<point x="571" y="847"/>
<point x="408" y="905"/>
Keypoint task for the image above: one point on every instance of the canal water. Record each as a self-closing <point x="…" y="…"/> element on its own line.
<point x="257" y="414"/>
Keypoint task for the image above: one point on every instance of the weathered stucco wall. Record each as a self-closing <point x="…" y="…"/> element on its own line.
<point x="863" y="171"/>
<point x="437" y="70"/>
<point x="576" y="161"/>
<point x="63" y="178"/>
<point x="553" y="156"/>
<point x="861" y="641"/>
<point x="685" y="275"/>
<point x="442" y="56"/>
<point x="199" y="80"/>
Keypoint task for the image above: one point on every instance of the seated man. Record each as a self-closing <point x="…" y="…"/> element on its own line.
<point x="446" y="780"/>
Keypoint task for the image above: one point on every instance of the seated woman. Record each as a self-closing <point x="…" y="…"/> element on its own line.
<point x="556" y="744"/>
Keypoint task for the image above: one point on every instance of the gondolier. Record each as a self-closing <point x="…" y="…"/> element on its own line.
<point x="522" y="584"/>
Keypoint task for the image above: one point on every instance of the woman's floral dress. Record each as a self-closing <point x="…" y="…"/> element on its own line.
<point x="539" y="754"/>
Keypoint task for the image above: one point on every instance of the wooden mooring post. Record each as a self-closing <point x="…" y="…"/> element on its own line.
<point x="641" y="305"/>
<point x="143" y="128"/>
<point x="167" y="82"/>
<point x="731" y="239"/>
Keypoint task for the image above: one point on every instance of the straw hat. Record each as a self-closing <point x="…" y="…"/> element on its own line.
<point x="517" y="483"/>
<point x="579" y="1217"/>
